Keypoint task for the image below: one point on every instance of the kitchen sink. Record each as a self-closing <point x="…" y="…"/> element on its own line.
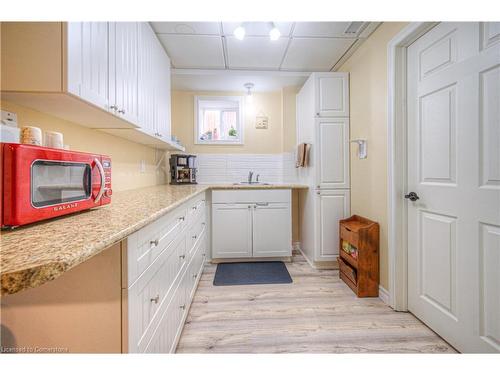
<point x="251" y="183"/>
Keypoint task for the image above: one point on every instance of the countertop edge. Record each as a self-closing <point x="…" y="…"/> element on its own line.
<point x="37" y="275"/>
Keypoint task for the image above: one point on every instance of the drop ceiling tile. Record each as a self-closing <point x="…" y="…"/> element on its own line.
<point x="257" y="28"/>
<point x="315" y="54"/>
<point x="255" y="52"/>
<point x="200" y="28"/>
<point x="193" y="51"/>
<point x="320" y="29"/>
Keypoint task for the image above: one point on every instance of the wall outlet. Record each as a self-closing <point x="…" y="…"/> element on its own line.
<point x="9" y="118"/>
<point x="143" y="166"/>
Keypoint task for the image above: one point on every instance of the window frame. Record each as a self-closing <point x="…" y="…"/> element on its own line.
<point x="240" y="119"/>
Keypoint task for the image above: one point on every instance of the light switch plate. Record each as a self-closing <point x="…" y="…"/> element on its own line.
<point x="261" y="122"/>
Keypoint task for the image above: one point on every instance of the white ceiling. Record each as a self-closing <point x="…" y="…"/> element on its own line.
<point x="302" y="47"/>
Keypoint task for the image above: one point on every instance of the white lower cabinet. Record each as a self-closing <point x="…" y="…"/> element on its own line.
<point x="251" y="223"/>
<point x="331" y="206"/>
<point x="232" y="230"/>
<point x="272" y="226"/>
<point x="163" y="263"/>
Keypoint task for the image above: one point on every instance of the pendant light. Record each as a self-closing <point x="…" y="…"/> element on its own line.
<point x="249" y="86"/>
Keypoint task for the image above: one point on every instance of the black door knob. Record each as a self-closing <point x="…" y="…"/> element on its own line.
<point x="412" y="196"/>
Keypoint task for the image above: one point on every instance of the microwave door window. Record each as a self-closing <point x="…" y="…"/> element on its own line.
<point x="59" y="182"/>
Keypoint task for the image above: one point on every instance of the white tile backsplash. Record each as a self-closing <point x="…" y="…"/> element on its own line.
<point x="230" y="168"/>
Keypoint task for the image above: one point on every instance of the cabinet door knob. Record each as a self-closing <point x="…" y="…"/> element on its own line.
<point x="182" y="218"/>
<point x="113" y="107"/>
<point x="182" y="256"/>
<point x="155" y="242"/>
<point x="195" y="237"/>
<point x="317" y="113"/>
<point x="195" y="276"/>
<point x="122" y="111"/>
<point x="182" y="307"/>
<point x="156" y="299"/>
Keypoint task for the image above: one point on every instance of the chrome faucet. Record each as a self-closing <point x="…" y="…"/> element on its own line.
<point x="250" y="175"/>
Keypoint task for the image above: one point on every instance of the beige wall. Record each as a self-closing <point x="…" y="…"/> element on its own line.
<point x="278" y="106"/>
<point x="368" y="97"/>
<point x="126" y="156"/>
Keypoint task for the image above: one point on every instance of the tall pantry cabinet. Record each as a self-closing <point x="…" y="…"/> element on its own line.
<point x="323" y="123"/>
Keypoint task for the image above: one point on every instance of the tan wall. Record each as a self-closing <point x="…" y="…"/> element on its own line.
<point x="126" y="156"/>
<point x="368" y="97"/>
<point x="257" y="141"/>
<point x="288" y="106"/>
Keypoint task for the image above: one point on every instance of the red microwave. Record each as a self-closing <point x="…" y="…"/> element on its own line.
<point x="40" y="183"/>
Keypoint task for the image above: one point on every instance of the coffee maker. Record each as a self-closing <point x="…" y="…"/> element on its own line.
<point x="182" y="169"/>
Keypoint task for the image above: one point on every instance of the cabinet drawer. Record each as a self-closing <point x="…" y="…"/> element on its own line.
<point x="163" y="338"/>
<point x="194" y="235"/>
<point x="252" y="196"/>
<point x="195" y="209"/>
<point x="349" y="236"/>
<point x="347" y="270"/>
<point x="151" y="293"/>
<point x="144" y="246"/>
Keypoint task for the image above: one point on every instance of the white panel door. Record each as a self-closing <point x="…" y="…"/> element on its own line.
<point x="332" y="153"/>
<point x="454" y="169"/>
<point x="125" y="52"/>
<point x="332" y="94"/>
<point x="272" y="230"/>
<point x="331" y="206"/>
<point x="88" y="71"/>
<point x="231" y="230"/>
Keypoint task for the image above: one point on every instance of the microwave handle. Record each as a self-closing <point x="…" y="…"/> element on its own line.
<point x="103" y="180"/>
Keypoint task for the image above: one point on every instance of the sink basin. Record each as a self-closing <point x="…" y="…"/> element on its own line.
<point x="251" y="183"/>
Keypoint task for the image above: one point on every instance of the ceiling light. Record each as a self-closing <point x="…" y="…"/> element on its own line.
<point x="239" y="32"/>
<point x="274" y="33"/>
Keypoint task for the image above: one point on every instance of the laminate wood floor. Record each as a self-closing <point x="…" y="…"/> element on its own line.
<point x="317" y="313"/>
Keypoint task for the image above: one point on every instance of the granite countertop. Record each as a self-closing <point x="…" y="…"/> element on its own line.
<point x="37" y="253"/>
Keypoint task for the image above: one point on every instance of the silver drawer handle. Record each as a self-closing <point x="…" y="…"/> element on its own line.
<point x="156" y="299"/>
<point x="155" y="242"/>
<point x="263" y="204"/>
<point x="114" y="107"/>
<point x="195" y="237"/>
<point x="182" y="256"/>
<point x="182" y="307"/>
<point x="195" y="207"/>
<point x="182" y="218"/>
<point x="122" y="111"/>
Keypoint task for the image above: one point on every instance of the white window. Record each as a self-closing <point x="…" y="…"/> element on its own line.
<point x="218" y="120"/>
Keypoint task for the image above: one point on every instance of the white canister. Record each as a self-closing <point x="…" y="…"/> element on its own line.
<point x="31" y="135"/>
<point x="54" y="140"/>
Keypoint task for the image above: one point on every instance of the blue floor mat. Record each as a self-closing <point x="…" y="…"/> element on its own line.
<point x="247" y="273"/>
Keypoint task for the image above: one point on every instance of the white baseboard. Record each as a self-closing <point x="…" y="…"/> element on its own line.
<point x="383" y="294"/>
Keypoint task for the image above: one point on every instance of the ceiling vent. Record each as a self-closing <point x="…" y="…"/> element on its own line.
<point x="354" y="28"/>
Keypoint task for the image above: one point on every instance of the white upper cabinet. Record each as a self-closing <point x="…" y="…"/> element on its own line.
<point x="88" y="65"/>
<point x="332" y="153"/>
<point x="148" y="67"/>
<point x="124" y="59"/>
<point x="119" y="68"/>
<point x="163" y="123"/>
<point x="332" y="94"/>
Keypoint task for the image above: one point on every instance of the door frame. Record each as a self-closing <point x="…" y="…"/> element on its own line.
<point x="397" y="161"/>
